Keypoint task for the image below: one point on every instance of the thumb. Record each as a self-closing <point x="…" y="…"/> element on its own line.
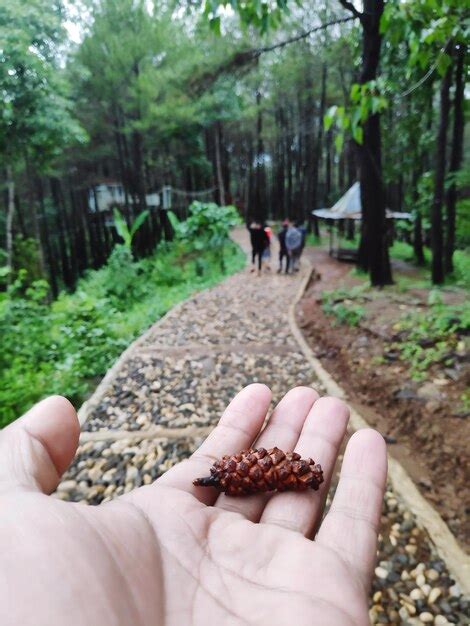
<point x="37" y="448"/>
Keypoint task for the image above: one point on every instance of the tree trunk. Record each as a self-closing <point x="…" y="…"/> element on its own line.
<point x="34" y="214"/>
<point x="260" y="191"/>
<point x="218" y="165"/>
<point x="10" y="216"/>
<point x="455" y="160"/>
<point x="319" y="141"/>
<point x="373" y="250"/>
<point x="66" y="273"/>
<point x="439" y="178"/>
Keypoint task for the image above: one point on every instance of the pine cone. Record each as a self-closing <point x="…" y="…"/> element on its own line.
<point x="255" y="471"/>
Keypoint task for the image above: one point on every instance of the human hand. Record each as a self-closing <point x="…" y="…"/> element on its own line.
<point x="174" y="554"/>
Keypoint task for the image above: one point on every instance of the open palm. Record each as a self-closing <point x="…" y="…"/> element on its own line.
<point x="171" y="553"/>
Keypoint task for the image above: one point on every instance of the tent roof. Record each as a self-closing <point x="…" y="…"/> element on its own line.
<point x="349" y="207"/>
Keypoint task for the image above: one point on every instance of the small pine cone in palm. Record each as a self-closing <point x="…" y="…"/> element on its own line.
<point x="258" y="470"/>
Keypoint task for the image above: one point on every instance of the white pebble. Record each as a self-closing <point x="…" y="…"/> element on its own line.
<point x="432" y="575"/>
<point x="440" y="620"/>
<point x="403" y="613"/>
<point x="434" y="595"/>
<point x="417" y="594"/>
<point x="426" y="589"/>
<point x="420" y="580"/>
<point x="381" y="572"/>
<point x="426" y="618"/>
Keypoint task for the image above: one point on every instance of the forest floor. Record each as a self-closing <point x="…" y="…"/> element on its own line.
<point x="425" y="420"/>
<point x="169" y="390"/>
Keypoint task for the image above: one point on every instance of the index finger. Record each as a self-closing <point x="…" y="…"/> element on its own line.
<point x="237" y="429"/>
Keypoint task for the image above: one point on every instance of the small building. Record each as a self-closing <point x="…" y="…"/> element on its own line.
<point x="103" y="196"/>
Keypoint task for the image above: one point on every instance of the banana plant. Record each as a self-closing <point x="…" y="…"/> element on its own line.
<point x="127" y="234"/>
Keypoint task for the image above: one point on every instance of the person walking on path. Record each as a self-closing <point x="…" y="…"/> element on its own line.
<point x="303" y="231"/>
<point x="294" y="246"/>
<point x="282" y="246"/>
<point x="170" y="553"/>
<point x="267" y="251"/>
<point x="259" y="241"/>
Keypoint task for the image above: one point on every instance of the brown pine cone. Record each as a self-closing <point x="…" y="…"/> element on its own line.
<point x="255" y="471"/>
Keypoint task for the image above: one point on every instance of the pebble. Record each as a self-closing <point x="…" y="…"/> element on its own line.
<point x="67" y="485"/>
<point x="426" y="618"/>
<point x="434" y="595"/>
<point x="440" y="620"/>
<point x="416" y="594"/>
<point x="381" y="572"/>
<point x="432" y="575"/>
<point x="420" y="580"/>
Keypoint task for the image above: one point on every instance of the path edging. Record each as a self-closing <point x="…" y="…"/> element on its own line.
<point x="427" y="516"/>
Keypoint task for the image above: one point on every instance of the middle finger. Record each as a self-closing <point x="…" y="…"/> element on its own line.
<point x="282" y="430"/>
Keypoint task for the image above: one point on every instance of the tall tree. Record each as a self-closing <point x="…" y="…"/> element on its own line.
<point x="35" y="119"/>
<point x="455" y="156"/>
<point x="373" y="249"/>
<point x="437" y="235"/>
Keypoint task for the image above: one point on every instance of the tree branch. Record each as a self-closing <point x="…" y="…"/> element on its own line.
<point x="305" y="34"/>
<point x="350" y="7"/>
<point x="246" y="57"/>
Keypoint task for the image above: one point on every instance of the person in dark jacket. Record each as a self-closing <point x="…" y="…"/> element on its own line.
<point x="282" y="247"/>
<point x="259" y="241"/>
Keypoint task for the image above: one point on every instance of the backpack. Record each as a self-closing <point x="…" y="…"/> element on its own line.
<point x="293" y="238"/>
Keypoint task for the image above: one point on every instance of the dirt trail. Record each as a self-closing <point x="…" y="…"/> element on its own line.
<point x="430" y="437"/>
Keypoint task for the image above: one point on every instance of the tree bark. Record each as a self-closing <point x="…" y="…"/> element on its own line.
<point x="373" y="249"/>
<point x="260" y="191"/>
<point x="319" y="141"/>
<point x="455" y="159"/>
<point x="437" y="238"/>
<point x="218" y="165"/>
<point x="9" y="220"/>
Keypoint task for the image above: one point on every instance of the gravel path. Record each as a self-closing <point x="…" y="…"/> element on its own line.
<point x="185" y="372"/>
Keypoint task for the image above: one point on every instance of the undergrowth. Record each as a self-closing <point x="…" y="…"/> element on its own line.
<point x="66" y="346"/>
<point x="340" y="304"/>
<point x="434" y="335"/>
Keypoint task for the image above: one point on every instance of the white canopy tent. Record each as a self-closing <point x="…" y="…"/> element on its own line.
<point x="349" y="207"/>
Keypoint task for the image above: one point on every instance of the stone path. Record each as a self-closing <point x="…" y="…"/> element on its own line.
<point x="170" y="390"/>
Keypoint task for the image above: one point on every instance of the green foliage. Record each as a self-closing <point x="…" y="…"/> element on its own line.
<point x="34" y="110"/>
<point x="66" y="346"/>
<point x="365" y="100"/>
<point x="208" y="226"/>
<point x="127" y="234"/>
<point x="433" y="335"/>
<point x="340" y="304"/>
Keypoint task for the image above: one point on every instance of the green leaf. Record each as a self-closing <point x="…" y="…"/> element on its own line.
<point x="443" y="62"/>
<point x="329" y="117"/>
<point x="339" y="142"/>
<point x="139" y="220"/>
<point x="358" y="135"/>
<point x="214" y="25"/>
<point x="122" y="229"/>
<point x="355" y="92"/>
